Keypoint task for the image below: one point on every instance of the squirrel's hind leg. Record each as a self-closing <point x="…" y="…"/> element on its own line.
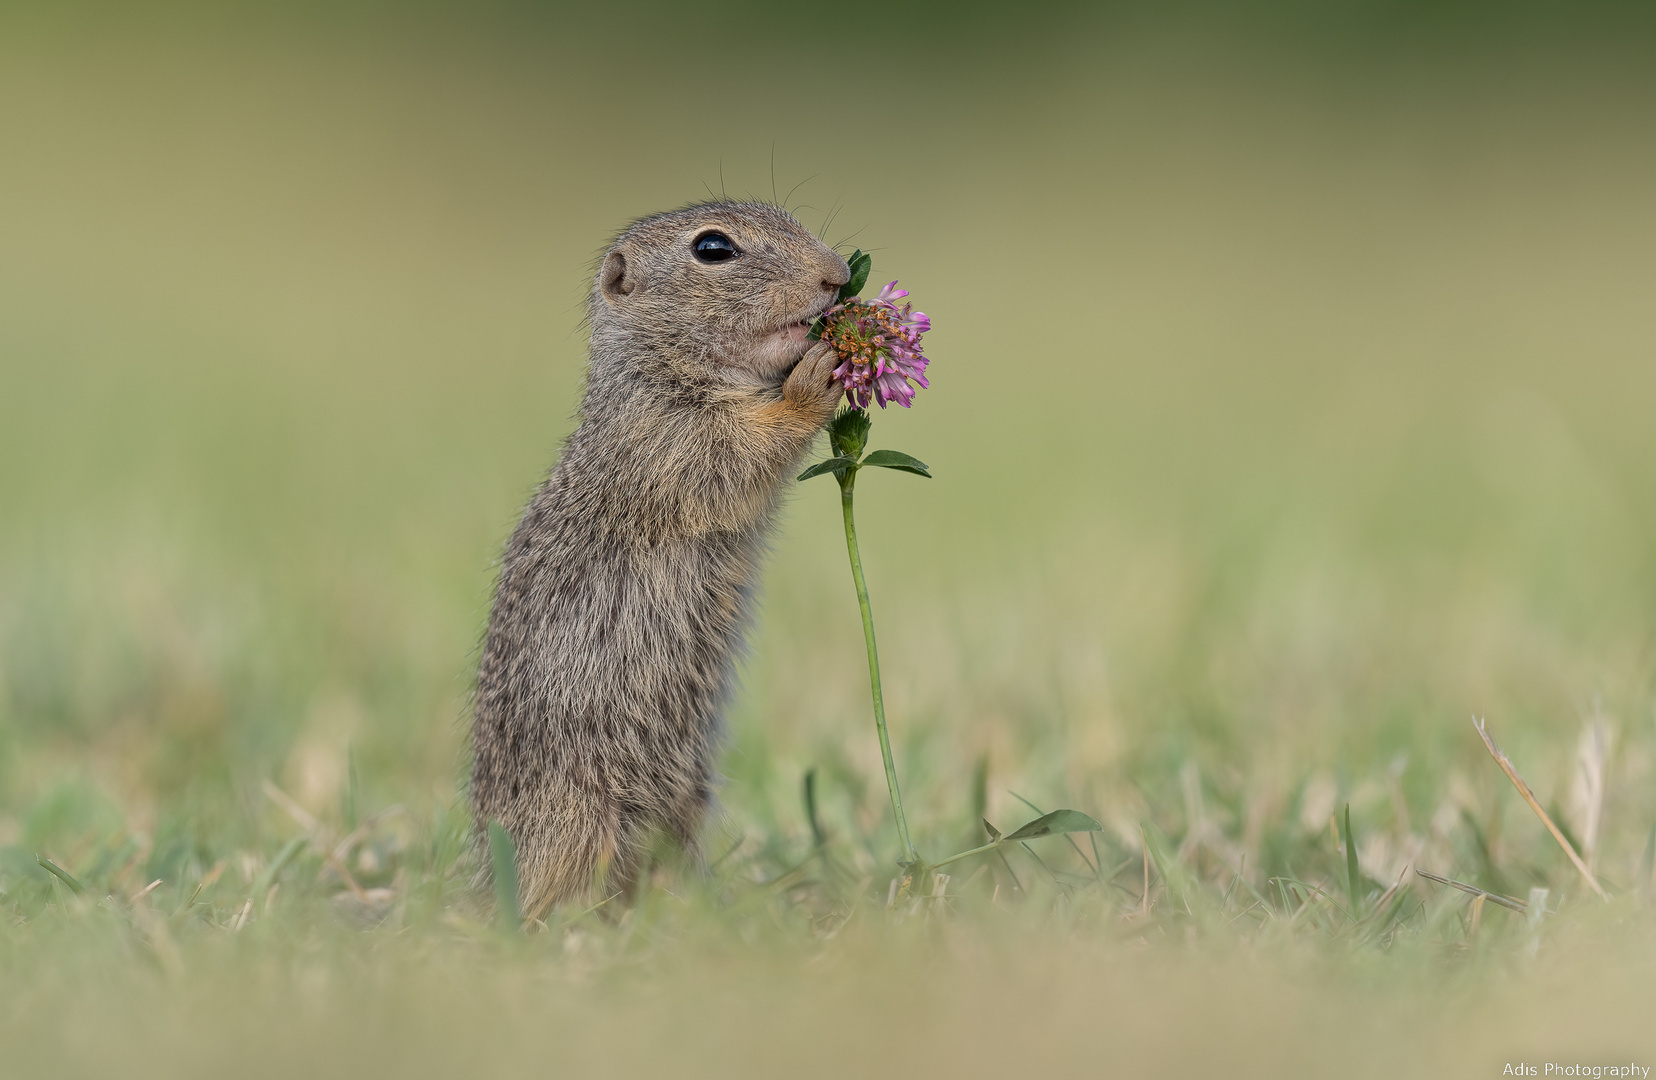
<point x="588" y="856"/>
<point x="683" y="823"/>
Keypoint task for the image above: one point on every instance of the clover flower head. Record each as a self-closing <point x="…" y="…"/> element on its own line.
<point x="878" y="344"/>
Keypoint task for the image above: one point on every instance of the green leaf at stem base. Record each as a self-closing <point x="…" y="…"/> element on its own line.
<point x="896" y="459"/>
<point x="832" y="465"/>
<point x="1055" y="824"/>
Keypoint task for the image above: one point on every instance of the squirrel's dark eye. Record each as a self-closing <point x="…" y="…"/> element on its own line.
<point x="715" y="247"/>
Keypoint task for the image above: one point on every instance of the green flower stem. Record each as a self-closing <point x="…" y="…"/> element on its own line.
<point x="848" y="481"/>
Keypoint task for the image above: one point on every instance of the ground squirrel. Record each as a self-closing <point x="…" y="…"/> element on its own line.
<point x="625" y="590"/>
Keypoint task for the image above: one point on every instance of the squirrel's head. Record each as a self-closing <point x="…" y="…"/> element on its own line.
<point x="721" y="289"/>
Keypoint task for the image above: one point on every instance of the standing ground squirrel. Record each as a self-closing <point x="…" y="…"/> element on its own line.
<point x="625" y="590"/>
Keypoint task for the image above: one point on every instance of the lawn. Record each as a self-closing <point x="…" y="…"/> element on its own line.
<point x="1290" y="409"/>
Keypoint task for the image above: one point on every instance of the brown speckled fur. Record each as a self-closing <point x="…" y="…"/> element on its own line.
<point x="625" y="589"/>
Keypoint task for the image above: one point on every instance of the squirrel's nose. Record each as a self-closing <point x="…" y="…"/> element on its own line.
<point x="835" y="274"/>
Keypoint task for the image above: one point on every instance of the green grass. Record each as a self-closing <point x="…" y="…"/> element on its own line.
<point x="1289" y="410"/>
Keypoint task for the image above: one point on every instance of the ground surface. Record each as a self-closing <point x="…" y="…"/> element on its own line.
<point x="1291" y="406"/>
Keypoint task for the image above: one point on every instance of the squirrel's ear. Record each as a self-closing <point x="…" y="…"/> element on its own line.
<point x="616" y="277"/>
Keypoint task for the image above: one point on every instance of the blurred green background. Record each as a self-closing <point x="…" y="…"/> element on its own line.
<point x="1291" y="404"/>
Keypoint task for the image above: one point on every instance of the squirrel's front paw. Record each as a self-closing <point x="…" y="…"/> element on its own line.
<point x="810" y="386"/>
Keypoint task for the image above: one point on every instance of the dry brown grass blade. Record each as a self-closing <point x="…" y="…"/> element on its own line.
<point x="1529" y="796"/>
<point x="153" y="925"/>
<point x="318" y="835"/>
<point x="1144" y="900"/>
<point x="1386" y="897"/>
<point x="1495" y="898"/>
<point x="145" y="891"/>
<point x="940" y="893"/>
<point x="1587" y="790"/>
<point x="348" y="843"/>
<point x="291" y="806"/>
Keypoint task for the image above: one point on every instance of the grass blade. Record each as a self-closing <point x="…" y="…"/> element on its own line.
<point x="1587" y="790"/>
<point x="1352" y="884"/>
<point x="278" y="864"/>
<point x="1494" y="898"/>
<point x="1529" y="796"/>
<point x="61" y="874"/>
<point x="503" y="861"/>
<point x="818" y="840"/>
<point x="1647" y="860"/>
